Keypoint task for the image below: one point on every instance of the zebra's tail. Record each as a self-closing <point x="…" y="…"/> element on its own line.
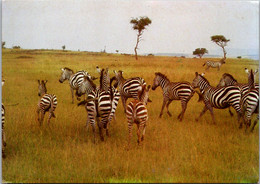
<point x="204" y="63"/>
<point x="52" y="109"/>
<point x="86" y="101"/>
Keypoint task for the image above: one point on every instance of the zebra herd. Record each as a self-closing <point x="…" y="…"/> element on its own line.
<point x="101" y="101"/>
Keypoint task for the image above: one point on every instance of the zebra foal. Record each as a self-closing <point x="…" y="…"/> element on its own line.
<point x="47" y="102"/>
<point x="217" y="97"/>
<point x="136" y="113"/>
<point x="182" y="91"/>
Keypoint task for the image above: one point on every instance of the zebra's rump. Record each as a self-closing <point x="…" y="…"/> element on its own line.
<point x="245" y="87"/>
<point x="133" y="85"/>
<point x="179" y="90"/>
<point x="47" y="101"/>
<point x="77" y="78"/>
<point x="251" y="100"/>
<point x="136" y="112"/>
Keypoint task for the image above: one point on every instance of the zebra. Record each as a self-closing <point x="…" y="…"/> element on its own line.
<point x="47" y="102"/>
<point x="128" y="88"/>
<point x="250" y="101"/>
<point x="3" y="129"/>
<point x="75" y="79"/>
<point x="217" y="97"/>
<point x="103" y="106"/>
<point x="136" y="112"/>
<point x="173" y="91"/>
<point x="228" y="80"/>
<point x="214" y="64"/>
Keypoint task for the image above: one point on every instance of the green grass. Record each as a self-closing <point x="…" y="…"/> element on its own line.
<point x="173" y="151"/>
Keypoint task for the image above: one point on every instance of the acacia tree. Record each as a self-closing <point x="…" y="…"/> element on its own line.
<point x="63" y="47"/>
<point x="221" y="41"/>
<point x="200" y="52"/>
<point x="139" y="24"/>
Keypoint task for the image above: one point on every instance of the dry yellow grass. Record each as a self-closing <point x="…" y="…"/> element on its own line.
<point x="173" y="151"/>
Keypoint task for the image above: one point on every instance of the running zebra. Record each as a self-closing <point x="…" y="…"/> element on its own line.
<point x="214" y="64"/>
<point x="75" y="79"/>
<point x="47" y="102"/>
<point x="136" y="112"/>
<point x="105" y="104"/>
<point x="219" y="97"/>
<point x="128" y="88"/>
<point x="250" y="102"/>
<point x="3" y="128"/>
<point x="173" y="91"/>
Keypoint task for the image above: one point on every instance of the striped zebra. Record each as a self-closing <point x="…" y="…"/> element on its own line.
<point x="228" y="80"/>
<point x="128" y="88"/>
<point x="47" y="102"/>
<point x="75" y="79"/>
<point x="173" y="91"/>
<point x="3" y="128"/>
<point x="136" y="112"/>
<point x="214" y="64"/>
<point x="250" y="102"/>
<point x="217" y="97"/>
<point x="104" y="106"/>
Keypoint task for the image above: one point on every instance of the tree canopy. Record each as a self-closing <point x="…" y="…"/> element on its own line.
<point x="221" y="41"/>
<point x="200" y="52"/>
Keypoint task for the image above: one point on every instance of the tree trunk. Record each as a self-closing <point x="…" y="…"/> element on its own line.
<point x="225" y="53"/>
<point x="136" y="46"/>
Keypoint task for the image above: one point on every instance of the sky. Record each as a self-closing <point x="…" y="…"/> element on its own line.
<point x="92" y="25"/>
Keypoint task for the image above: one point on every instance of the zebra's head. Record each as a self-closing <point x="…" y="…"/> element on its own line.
<point x="197" y="80"/>
<point x="104" y="79"/>
<point x="144" y="94"/>
<point x="42" y="87"/>
<point x="227" y="80"/>
<point x="65" y="74"/>
<point x="157" y="80"/>
<point x="86" y="86"/>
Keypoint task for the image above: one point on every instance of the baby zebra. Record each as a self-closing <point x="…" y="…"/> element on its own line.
<point x="173" y="91"/>
<point x="3" y="132"/>
<point x="136" y="112"/>
<point x="250" y="102"/>
<point x="46" y="103"/>
<point x="214" y="64"/>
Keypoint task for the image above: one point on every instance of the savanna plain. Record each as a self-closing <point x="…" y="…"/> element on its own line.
<point x="173" y="151"/>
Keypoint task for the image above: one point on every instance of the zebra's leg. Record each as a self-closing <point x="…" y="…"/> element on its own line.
<point x="72" y="95"/>
<point x="207" y="67"/>
<point x="167" y="107"/>
<point x="144" y="128"/>
<point x="211" y="112"/>
<point x="130" y="127"/>
<point x="49" y="119"/>
<point x="100" y="127"/>
<point x="124" y="103"/>
<point x="231" y="114"/>
<point x="203" y="112"/>
<point x="164" y="103"/>
<point x="42" y="113"/>
<point x="184" y="107"/>
<point x="138" y="134"/>
<point x="255" y="122"/>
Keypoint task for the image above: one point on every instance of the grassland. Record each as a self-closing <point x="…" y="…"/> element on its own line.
<point x="173" y="151"/>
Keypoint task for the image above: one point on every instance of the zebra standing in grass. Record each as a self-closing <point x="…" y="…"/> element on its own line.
<point x="75" y="79"/>
<point x="173" y="91"/>
<point x="228" y="80"/>
<point x="128" y="88"/>
<point x="214" y="64"/>
<point x="250" y="101"/>
<point x="136" y="112"/>
<point x="47" y="102"/>
<point x="105" y="104"/>
<point x="219" y="97"/>
<point x="3" y="128"/>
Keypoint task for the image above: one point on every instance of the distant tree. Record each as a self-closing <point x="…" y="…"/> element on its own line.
<point x="16" y="47"/>
<point x="139" y="24"/>
<point x="63" y="47"/>
<point x="200" y="52"/>
<point x="3" y="44"/>
<point x="221" y="41"/>
<point x="117" y="51"/>
<point x="239" y="57"/>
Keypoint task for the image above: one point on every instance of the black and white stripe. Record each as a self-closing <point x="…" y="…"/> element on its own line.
<point x="47" y="102"/>
<point x="173" y="91"/>
<point x="3" y="128"/>
<point x="214" y="64"/>
<point x="136" y="113"/>
<point x="128" y="88"/>
<point x="220" y="97"/>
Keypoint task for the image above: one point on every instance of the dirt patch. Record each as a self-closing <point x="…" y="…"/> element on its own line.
<point x="24" y="57"/>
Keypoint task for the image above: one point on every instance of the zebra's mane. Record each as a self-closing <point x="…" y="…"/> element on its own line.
<point x="66" y="68"/>
<point x="229" y="75"/>
<point x="204" y="79"/>
<point x="162" y="75"/>
<point x="91" y="82"/>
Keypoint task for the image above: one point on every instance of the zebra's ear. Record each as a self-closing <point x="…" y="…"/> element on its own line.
<point x="114" y="72"/>
<point x="62" y="69"/>
<point x="202" y="74"/>
<point x="98" y="69"/>
<point x="148" y="88"/>
<point x="3" y="81"/>
<point x="256" y="70"/>
<point x="246" y="70"/>
<point x="45" y="81"/>
<point x="196" y="73"/>
<point x="38" y="81"/>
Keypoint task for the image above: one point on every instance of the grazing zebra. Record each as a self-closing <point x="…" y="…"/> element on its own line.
<point x="250" y="102"/>
<point x="228" y="80"/>
<point x="136" y="112"/>
<point x="75" y="79"/>
<point x="47" y="102"/>
<point x="104" y="106"/>
<point x="128" y="88"/>
<point x="214" y="64"/>
<point x="173" y="91"/>
<point x="219" y="97"/>
<point x="3" y="128"/>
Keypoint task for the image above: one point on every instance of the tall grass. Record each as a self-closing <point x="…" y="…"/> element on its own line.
<point x="173" y="151"/>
